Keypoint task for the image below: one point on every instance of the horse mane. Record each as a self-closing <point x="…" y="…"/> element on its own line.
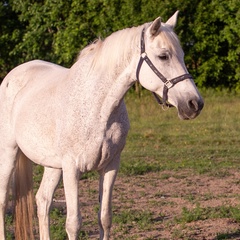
<point x="117" y="49"/>
<point x="89" y="48"/>
<point x="114" y="50"/>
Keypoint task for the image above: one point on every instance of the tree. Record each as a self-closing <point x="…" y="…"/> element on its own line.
<point x="56" y="30"/>
<point x="217" y="31"/>
<point x="10" y="35"/>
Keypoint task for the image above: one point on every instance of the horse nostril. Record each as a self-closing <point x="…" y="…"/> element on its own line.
<point x="193" y="105"/>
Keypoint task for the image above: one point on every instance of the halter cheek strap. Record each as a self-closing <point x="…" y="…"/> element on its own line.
<point x="167" y="83"/>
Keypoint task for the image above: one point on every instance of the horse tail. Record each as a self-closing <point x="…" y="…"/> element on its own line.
<point x="24" y="209"/>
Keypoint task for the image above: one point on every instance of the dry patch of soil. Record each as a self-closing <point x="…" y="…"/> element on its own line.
<point x="164" y="196"/>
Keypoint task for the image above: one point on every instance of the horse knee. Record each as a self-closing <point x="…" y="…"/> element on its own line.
<point x="43" y="204"/>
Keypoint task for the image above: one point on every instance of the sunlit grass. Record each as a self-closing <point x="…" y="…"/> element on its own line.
<point x="201" y="213"/>
<point x="159" y="140"/>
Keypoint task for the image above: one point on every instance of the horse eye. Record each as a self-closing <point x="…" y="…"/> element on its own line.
<point x="163" y="57"/>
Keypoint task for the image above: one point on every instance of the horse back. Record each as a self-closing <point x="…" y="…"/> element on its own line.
<point x="34" y="72"/>
<point x="24" y="92"/>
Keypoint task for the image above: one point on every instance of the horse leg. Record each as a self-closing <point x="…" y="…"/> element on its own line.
<point x="7" y="163"/>
<point x="44" y="196"/>
<point x="107" y="179"/>
<point x="70" y="180"/>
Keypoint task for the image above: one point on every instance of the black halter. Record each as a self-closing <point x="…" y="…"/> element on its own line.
<point x="167" y="83"/>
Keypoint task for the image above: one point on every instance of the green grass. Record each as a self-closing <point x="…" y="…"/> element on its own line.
<point x="57" y="227"/>
<point x="128" y="219"/>
<point x="131" y="217"/>
<point x="227" y="236"/>
<point x="201" y="213"/>
<point x="159" y="140"/>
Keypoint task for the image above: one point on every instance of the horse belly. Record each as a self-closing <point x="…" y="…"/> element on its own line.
<point x="35" y="123"/>
<point x="36" y="140"/>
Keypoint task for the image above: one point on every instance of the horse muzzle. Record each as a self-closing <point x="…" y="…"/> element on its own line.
<point x="190" y="109"/>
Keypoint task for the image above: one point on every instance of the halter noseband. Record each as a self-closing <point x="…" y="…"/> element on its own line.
<point x="167" y="83"/>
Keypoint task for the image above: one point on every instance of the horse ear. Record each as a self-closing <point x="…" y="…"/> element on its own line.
<point x="172" y="21"/>
<point x="155" y="27"/>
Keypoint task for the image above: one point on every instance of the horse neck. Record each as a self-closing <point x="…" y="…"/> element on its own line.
<point x="101" y="94"/>
<point x="102" y="87"/>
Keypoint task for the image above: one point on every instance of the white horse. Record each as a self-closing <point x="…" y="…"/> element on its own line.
<point x="74" y="120"/>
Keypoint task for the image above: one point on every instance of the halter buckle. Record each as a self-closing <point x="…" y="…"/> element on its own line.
<point x="168" y="84"/>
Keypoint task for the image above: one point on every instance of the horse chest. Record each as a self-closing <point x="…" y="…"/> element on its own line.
<point x="103" y="147"/>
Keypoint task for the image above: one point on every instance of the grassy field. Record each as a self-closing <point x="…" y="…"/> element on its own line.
<point x="165" y="160"/>
<point x="158" y="140"/>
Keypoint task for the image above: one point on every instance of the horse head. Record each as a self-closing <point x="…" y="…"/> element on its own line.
<point x="161" y="69"/>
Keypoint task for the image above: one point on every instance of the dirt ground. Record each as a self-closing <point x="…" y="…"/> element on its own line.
<point x="164" y="195"/>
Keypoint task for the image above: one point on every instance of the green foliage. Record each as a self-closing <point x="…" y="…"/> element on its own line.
<point x="56" y="31"/>
<point x="10" y="35"/>
<point x="217" y="34"/>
